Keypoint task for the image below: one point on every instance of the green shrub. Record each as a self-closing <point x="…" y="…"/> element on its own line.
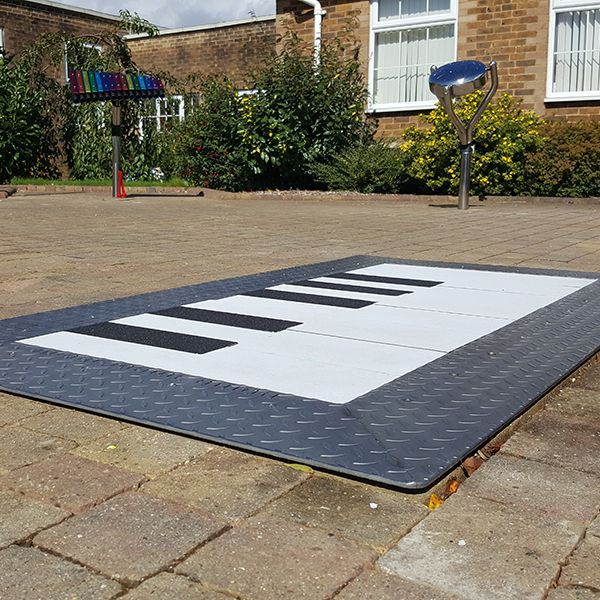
<point x="41" y="129"/>
<point x="568" y="162"/>
<point x="298" y="116"/>
<point x="27" y="141"/>
<point x="373" y="168"/>
<point x="504" y="137"/>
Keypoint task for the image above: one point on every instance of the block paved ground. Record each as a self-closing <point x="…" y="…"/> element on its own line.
<point x="94" y="508"/>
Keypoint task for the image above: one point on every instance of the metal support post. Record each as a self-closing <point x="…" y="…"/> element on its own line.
<point x="465" y="176"/>
<point x="116" y="147"/>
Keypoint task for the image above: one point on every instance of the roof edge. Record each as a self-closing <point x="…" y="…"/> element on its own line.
<point x="203" y="27"/>
<point x="75" y="9"/>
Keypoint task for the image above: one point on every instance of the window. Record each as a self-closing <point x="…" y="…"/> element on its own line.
<point x="407" y="38"/>
<point x="85" y="56"/>
<point x="164" y="110"/>
<point x="1" y="39"/>
<point x="574" y="57"/>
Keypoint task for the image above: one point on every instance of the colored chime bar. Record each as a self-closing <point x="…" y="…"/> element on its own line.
<point x="97" y="86"/>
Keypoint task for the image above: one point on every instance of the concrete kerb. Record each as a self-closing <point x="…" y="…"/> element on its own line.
<point x="439" y="201"/>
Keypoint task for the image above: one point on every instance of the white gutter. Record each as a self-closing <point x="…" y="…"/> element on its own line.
<point x="319" y="14"/>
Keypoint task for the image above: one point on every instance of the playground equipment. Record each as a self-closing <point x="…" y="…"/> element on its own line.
<point x="454" y="80"/>
<point x="100" y="86"/>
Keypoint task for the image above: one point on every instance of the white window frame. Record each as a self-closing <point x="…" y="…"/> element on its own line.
<point x="1" y="38"/>
<point x="87" y="45"/>
<point x="556" y="7"/>
<point x="157" y="118"/>
<point x="376" y="27"/>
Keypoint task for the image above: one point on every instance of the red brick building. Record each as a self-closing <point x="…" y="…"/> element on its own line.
<point x="23" y="21"/>
<point x="234" y="49"/>
<point x="548" y="51"/>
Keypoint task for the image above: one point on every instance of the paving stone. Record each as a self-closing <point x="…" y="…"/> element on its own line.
<point x="167" y="586"/>
<point x="477" y="548"/>
<point x="21" y="517"/>
<point x="365" y="513"/>
<point x="269" y="559"/>
<point x="594" y="528"/>
<point x="131" y="536"/>
<point x="227" y="483"/>
<point x="144" y="450"/>
<point x="14" y="408"/>
<point x="73" y="425"/>
<point x="583" y="567"/>
<point x="28" y="574"/>
<point x="377" y="585"/>
<point x="533" y="486"/>
<point x="20" y="447"/>
<point x="588" y="377"/>
<point x="564" y="593"/>
<point x="576" y="402"/>
<point x="560" y="440"/>
<point x="71" y="482"/>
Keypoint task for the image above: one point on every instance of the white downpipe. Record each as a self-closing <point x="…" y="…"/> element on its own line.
<point x="319" y="13"/>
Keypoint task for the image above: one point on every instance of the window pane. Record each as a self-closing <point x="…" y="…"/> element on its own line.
<point x="405" y="9"/>
<point x="577" y="51"/>
<point x="403" y="60"/>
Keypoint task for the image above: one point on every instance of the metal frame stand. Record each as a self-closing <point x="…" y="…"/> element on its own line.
<point x="446" y="96"/>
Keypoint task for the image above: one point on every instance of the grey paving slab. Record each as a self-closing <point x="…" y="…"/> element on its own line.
<point x="378" y="585"/>
<point x="478" y="548"/>
<point x="576" y="402"/>
<point x="367" y="514"/>
<point x="71" y="425"/>
<point x="13" y="409"/>
<point x="268" y="559"/>
<point x="143" y="450"/>
<point x="594" y="528"/>
<point x="573" y="593"/>
<point x="167" y="586"/>
<point x="131" y="536"/>
<point x="589" y="378"/>
<point x="531" y="486"/>
<point x="583" y="568"/>
<point x="227" y="483"/>
<point x="27" y="573"/>
<point x="20" y="447"/>
<point x="21" y="517"/>
<point x="560" y="440"/>
<point x="71" y="482"/>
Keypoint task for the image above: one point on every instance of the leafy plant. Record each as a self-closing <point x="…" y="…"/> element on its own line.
<point x="568" y="162"/>
<point x="40" y="128"/>
<point x="370" y="168"/>
<point x="504" y="137"/>
<point x="299" y="115"/>
<point x="26" y="125"/>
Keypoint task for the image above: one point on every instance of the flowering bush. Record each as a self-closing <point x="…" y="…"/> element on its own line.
<point x="505" y="136"/>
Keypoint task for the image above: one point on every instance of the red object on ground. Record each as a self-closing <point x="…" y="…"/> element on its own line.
<point x="121" y="193"/>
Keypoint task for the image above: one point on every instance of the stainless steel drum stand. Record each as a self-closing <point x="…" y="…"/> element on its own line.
<point x="453" y="81"/>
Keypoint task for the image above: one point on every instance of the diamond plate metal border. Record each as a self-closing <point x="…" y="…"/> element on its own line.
<point x="407" y="433"/>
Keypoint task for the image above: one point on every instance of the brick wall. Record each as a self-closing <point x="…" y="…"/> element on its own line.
<point x="513" y="32"/>
<point x="233" y="50"/>
<point x="24" y="21"/>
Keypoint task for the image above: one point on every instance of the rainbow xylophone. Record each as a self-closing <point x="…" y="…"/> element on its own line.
<point x="97" y="86"/>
